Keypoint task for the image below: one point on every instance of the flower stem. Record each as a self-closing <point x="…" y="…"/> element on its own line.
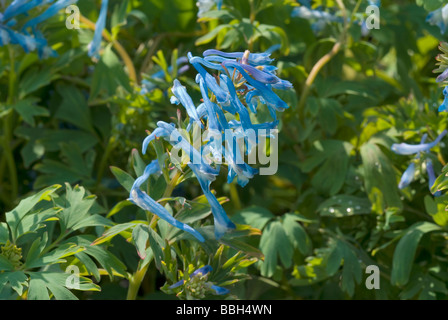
<point x="7" y="129"/>
<point x="135" y="282"/>
<point x="121" y="51"/>
<point x="327" y="58"/>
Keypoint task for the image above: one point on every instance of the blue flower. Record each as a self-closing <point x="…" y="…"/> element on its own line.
<point x="50" y="12"/>
<point x="439" y="18"/>
<point x="197" y="283"/>
<point x="444" y="106"/>
<point x="407" y="176"/>
<point x="245" y="78"/>
<point x="94" y="46"/>
<point x="222" y="221"/>
<point x="145" y="202"/>
<point x="407" y="149"/>
<point x="181" y="96"/>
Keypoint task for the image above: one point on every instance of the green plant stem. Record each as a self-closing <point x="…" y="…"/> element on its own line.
<point x="135" y="282"/>
<point x="103" y="163"/>
<point x="327" y="57"/>
<point x="7" y="129"/>
<point x="121" y="51"/>
<point x="235" y="196"/>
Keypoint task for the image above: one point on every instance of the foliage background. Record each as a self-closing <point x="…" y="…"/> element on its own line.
<point x="332" y="209"/>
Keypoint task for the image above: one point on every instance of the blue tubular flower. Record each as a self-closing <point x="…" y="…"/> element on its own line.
<point x="255" y="59"/>
<point x="444" y="106"/>
<point x="407" y="149"/>
<point x="202" y="271"/>
<point x="221" y="95"/>
<point x="18" y="7"/>
<point x="94" y="46"/>
<point x="439" y="18"/>
<point x="145" y="202"/>
<point x="245" y="80"/>
<point x="442" y="77"/>
<point x="407" y="176"/>
<point x="222" y="221"/>
<point x="158" y="132"/>
<point x="181" y="96"/>
<point x="51" y="11"/>
<point x="220" y="290"/>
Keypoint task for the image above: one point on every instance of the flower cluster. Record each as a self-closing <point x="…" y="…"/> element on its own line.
<point x="19" y="26"/>
<point x="321" y="16"/>
<point x="418" y="149"/>
<point x="243" y="80"/>
<point x="197" y="285"/>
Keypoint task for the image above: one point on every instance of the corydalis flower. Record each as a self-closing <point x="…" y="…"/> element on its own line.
<point x="197" y="285"/>
<point x="94" y="46"/>
<point x="245" y="79"/>
<point x="408" y="175"/>
<point x="34" y="40"/>
<point x="407" y="149"/>
<point x="141" y="199"/>
<point x="439" y="18"/>
<point x="318" y="17"/>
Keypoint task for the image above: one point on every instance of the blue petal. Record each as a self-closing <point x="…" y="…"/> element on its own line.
<point x="202" y="271"/>
<point x="444" y="106"/>
<point x="222" y="221"/>
<point x="94" y="46"/>
<point x="439" y="18"/>
<point x="407" y="176"/>
<point x="442" y="76"/>
<point x="220" y="290"/>
<point x="145" y="202"/>
<point x="51" y="11"/>
<point x="177" y="284"/>
<point x="180" y="92"/>
<point x="406" y="149"/>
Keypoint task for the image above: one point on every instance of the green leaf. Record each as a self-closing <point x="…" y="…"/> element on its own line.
<point x="406" y="249"/>
<point x="332" y="159"/>
<point x="28" y="110"/>
<point x="344" y="205"/>
<point x="379" y="175"/>
<point x="296" y="233"/>
<point x="124" y="178"/>
<point x="253" y="216"/>
<point x="140" y="235"/>
<point x="16" y="279"/>
<point x="108" y="75"/>
<point x="114" y="231"/>
<point x="14" y="217"/>
<point x="274" y="244"/>
<point x="74" y="108"/>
